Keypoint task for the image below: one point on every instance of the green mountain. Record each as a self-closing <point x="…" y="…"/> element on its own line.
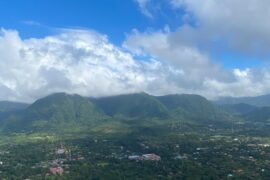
<point x="258" y="115"/>
<point x="6" y="106"/>
<point x="259" y="101"/>
<point x="61" y="112"/>
<point x="56" y="112"/>
<point x="193" y="106"/>
<point x="62" y="107"/>
<point x="139" y="105"/>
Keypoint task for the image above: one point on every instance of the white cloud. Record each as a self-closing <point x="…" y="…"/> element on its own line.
<point x="195" y="65"/>
<point x="75" y="61"/>
<point x="85" y="62"/>
<point x="199" y="73"/>
<point x="143" y="5"/>
<point x="219" y="26"/>
<point x="239" y="25"/>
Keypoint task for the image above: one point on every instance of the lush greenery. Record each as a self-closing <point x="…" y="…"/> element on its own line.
<point x="194" y="138"/>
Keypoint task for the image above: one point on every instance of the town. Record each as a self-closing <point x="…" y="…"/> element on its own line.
<point x="185" y="155"/>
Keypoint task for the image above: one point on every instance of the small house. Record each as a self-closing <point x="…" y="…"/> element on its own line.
<point x="57" y="170"/>
<point x="151" y="157"/>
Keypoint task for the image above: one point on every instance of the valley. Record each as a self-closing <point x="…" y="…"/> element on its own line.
<point x="71" y="137"/>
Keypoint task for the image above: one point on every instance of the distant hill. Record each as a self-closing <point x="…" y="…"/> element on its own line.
<point x="239" y="109"/>
<point x="259" y="101"/>
<point x="138" y="105"/>
<point x="6" y="106"/>
<point x="258" y="115"/>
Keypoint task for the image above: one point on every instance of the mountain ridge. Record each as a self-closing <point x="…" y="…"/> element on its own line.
<point x="6" y="106"/>
<point x="260" y="101"/>
<point x="61" y="111"/>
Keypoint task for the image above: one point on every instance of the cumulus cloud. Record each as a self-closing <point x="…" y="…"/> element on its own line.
<point x="86" y="63"/>
<point x="74" y="61"/>
<point x="208" y="26"/>
<point x="238" y="25"/>
<point x="192" y="63"/>
<point x="199" y="73"/>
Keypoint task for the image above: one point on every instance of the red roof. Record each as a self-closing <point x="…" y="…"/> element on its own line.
<point x="56" y="170"/>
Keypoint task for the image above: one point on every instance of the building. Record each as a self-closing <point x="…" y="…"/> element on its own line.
<point x="57" y="170"/>
<point x="135" y="157"/>
<point x="60" y="151"/>
<point x="151" y="157"/>
<point x="179" y="157"/>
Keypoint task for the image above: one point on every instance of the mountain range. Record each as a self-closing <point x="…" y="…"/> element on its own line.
<point x="259" y="101"/>
<point x="255" y="109"/>
<point x="6" y="106"/>
<point x="61" y="112"/>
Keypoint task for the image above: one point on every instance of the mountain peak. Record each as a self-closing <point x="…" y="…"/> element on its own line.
<point x="58" y="110"/>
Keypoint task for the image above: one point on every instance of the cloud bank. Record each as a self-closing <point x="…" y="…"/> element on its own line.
<point x="238" y="25"/>
<point x="74" y="61"/>
<point x="212" y="26"/>
<point x="199" y="73"/>
<point x="86" y="63"/>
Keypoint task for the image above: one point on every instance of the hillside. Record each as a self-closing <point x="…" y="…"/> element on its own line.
<point x="140" y="105"/>
<point x="61" y="112"/>
<point x="238" y="109"/>
<point x="56" y="111"/>
<point x="193" y="106"/>
<point x="258" y="115"/>
<point x="6" y="106"/>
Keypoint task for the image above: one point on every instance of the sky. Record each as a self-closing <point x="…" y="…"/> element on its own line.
<point x="107" y="47"/>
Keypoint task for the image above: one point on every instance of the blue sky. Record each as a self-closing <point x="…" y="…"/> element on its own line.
<point x="111" y="17"/>
<point x="107" y="47"/>
<point x="115" y="18"/>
